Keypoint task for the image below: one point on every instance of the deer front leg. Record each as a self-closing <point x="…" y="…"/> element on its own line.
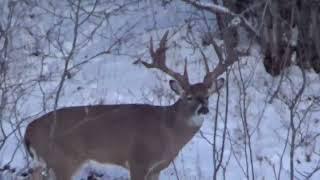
<point x="153" y="176"/>
<point x="138" y="172"/>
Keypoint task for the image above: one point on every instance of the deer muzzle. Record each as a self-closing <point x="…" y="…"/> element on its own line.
<point x="203" y="110"/>
<point x="203" y="106"/>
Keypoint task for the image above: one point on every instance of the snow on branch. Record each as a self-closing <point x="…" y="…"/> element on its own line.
<point x="214" y="8"/>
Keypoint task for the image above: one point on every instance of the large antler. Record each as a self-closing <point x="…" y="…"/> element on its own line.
<point x="159" y="62"/>
<point x="217" y="71"/>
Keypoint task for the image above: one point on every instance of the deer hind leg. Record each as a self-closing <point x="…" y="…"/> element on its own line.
<point x="40" y="173"/>
<point x="64" y="170"/>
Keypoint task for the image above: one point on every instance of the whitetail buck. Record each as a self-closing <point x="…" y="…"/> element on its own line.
<point x="142" y="138"/>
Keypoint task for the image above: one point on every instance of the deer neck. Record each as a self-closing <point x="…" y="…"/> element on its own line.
<point x="187" y="116"/>
<point x="186" y="121"/>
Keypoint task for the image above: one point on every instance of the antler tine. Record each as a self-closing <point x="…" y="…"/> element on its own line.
<point x="217" y="71"/>
<point x="163" y="40"/>
<point x="185" y="72"/>
<point x="158" y="57"/>
<point x="205" y="61"/>
<point x="151" y="51"/>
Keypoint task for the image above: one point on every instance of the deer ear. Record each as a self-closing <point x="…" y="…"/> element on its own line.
<point x="216" y="85"/>
<point x="175" y="86"/>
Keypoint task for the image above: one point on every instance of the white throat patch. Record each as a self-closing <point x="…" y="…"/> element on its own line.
<point x="196" y="119"/>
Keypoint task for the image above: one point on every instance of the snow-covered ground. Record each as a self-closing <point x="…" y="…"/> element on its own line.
<point x="111" y="79"/>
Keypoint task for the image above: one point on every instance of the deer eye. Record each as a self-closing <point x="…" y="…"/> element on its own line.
<point x="189" y="98"/>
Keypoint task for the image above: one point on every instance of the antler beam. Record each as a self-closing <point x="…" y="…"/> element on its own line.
<point x="158" y="57"/>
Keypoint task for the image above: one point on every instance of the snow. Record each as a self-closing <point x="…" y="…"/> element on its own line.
<point x="113" y="78"/>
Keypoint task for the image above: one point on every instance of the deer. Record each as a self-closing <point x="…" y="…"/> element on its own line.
<point x="142" y="138"/>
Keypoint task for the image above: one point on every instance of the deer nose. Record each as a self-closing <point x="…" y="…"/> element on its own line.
<point x="203" y="110"/>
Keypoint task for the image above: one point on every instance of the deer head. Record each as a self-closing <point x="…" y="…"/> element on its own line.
<point x="194" y="97"/>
